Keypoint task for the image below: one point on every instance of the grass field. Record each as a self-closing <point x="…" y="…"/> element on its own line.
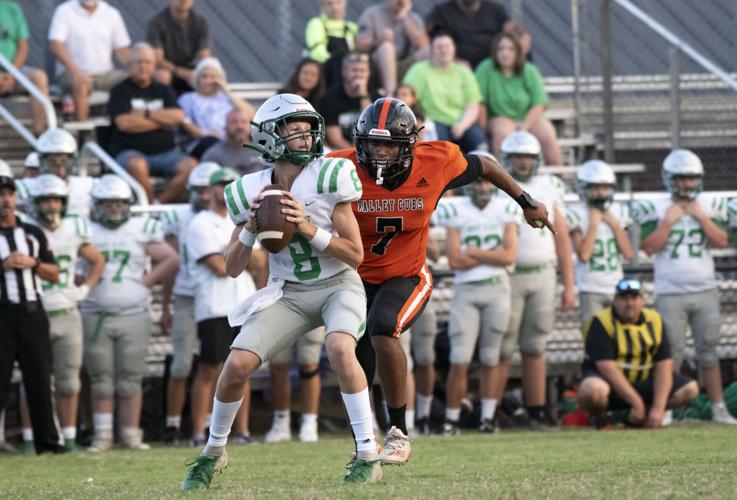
<point x="684" y="461"/>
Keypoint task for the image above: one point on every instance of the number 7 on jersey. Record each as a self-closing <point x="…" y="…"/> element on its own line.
<point x="388" y="228"/>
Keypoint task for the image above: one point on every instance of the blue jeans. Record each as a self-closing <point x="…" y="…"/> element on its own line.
<point x="162" y="164"/>
<point x="474" y="137"/>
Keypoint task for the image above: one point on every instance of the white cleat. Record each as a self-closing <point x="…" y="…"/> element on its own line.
<point x="278" y="434"/>
<point x="308" y="432"/>
<point x="397" y="449"/>
<point x="720" y="414"/>
<point x="100" y="445"/>
<point x="135" y="442"/>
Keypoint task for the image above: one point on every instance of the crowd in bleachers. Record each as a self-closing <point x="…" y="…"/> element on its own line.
<point x="466" y="71"/>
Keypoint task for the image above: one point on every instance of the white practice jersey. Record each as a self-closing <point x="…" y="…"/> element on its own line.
<point x="121" y="289"/>
<point x="604" y="269"/>
<point x="214" y="296"/>
<point x="175" y="223"/>
<point x="482" y="228"/>
<point x="65" y="240"/>
<point x="732" y="209"/>
<point x="685" y="265"/>
<point x="537" y="246"/>
<point x="320" y="186"/>
<point x="80" y="201"/>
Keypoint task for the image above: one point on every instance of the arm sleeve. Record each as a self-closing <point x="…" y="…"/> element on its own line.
<point x="535" y="85"/>
<point x="118" y="103"/>
<point x="199" y="243"/>
<point x="599" y="345"/>
<point x="664" y="348"/>
<point x="59" y="29"/>
<point x="461" y="169"/>
<point x="239" y="209"/>
<point x="120" y="37"/>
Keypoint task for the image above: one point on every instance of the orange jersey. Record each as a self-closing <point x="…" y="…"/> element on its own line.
<point x="395" y="224"/>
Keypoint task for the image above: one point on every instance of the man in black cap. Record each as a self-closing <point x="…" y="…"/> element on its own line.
<point x="627" y="362"/>
<point x="26" y="260"/>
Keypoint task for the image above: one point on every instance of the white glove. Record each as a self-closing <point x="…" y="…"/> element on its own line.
<point x="82" y="292"/>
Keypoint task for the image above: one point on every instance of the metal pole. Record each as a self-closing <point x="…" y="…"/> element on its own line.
<point x="606" y="68"/>
<point x="675" y="97"/>
<point x="32" y="89"/>
<point x="576" y="65"/>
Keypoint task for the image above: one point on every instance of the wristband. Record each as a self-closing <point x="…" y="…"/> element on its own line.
<point x="321" y="240"/>
<point x="525" y="201"/>
<point x="247" y="237"/>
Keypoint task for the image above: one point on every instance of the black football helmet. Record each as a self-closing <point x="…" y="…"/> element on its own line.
<point x="386" y="119"/>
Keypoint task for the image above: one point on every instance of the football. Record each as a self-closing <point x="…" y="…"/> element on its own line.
<point x="273" y="230"/>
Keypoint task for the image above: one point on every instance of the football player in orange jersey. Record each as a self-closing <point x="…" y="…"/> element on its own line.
<point x="402" y="183"/>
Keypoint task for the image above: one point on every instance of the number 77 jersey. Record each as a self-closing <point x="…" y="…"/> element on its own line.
<point x="394" y="224"/>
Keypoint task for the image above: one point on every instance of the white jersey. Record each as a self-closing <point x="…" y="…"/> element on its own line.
<point x="65" y="240"/>
<point x="482" y="228"/>
<point x="175" y="223"/>
<point x="214" y="296"/>
<point x="604" y="269"/>
<point x="732" y="209"/>
<point x="536" y="247"/>
<point x="685" y="265"/>
<point x="320" y="186"/>
<point x="121" y="289"/>
<point x="79" y="201"/>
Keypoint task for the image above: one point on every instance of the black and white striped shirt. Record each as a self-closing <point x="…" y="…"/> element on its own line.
<point x="19" y="286"/>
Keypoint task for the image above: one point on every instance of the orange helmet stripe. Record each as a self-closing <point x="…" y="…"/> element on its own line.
<point x="384" y="112"/>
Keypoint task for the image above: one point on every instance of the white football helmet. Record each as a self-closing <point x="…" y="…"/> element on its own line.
<point x="5" y="170"/>
<point x="31" y="160"/>
<point x="683" y="163"/>
<point x="199" y="179"/>
<point x="224" y="175"/>
<point x="595" y="173"/>
<point x="111" y="188"/>
<point x="273" y="114"/>
<point x="48" y="186"/>
<point x="53" y="143"/>
<point x="521" y="143"/>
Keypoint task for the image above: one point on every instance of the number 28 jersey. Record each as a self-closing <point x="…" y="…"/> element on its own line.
<point x="320" y="186"/>
<point x="394" y="224"/>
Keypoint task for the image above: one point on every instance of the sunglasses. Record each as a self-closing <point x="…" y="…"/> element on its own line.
<point x="629" y="285"/>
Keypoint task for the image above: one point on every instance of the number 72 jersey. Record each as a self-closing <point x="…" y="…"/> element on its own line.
<point x="685" y="265"/>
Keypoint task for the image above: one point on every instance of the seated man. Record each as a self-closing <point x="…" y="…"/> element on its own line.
<point x="180" y="37"/>
<point x="83" y="36"/>
<point x="230" y="151"/>
<point x="627" y="361"/>
<point x="396" y="38"/>
<point x="14" y="46"/>
<point x="144" y="114"/>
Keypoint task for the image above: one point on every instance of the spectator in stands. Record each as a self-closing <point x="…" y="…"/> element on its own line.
<point x="679" y="232"/>
<point x="621" y="372"/>
<point x="395" y="37"/>
<point x="180" y="37"/>
<point x="514" y="96"/>
<point x="206" y="108"/>
<point x="231" y="150"/>
<point x="449" y="95"/>
<point x="307" y="81"/>
<point x="598" y="233"/>
<point x="329" y="37"/>
<point x="14" y="46"/>
<point x="143" y="114"/>
<point x="83" y="36"/>
<point x="215" y="296"/>
<point x="427" y="130"/>
<point x="342" y="104"/>
<point x="473" y="24"/>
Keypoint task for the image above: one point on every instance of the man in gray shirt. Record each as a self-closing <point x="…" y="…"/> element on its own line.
<point x="230" y="152"/>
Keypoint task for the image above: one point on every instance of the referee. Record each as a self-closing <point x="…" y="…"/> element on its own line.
<point x="24" y="335"/>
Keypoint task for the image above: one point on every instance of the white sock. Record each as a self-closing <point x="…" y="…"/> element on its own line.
<point x="453" y="414"/>
<point x="223" y="415"/>
<point x="69" y="432"/>
<point x="358" y="408"/>
<point x="308" y="418"/>
<point x="27" y="433"/>
<point x="409" y="418"/>
<point x="103" y="423"/>
<point x="282" y="418"/>
<point x="488" y="407"/>
<point x="423" y="406"/>
<point x="128" y="433"/>
<point x="174" y="421"/>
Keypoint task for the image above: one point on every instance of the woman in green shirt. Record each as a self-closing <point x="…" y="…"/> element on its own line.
<point x="514" y="97"/>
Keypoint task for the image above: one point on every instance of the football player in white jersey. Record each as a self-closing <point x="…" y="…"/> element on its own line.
<point x="183" y="327"/>
<point x="679" y="232"/>
<point x="70" y="239"/>
<point x="481" y="243"/>
<point x="598" y="232"/>
<point x="533" y="282"/>
<point x="115" y="315"/>
<point x="216" y="295"/>
<point x="57" y="152"/>
<point x="313" y="280"/>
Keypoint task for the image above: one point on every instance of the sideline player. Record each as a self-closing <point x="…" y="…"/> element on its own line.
<point x="403" y="181"/>
<point x="312" y="282"/>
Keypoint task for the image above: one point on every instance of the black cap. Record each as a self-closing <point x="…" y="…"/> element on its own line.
<point x="630" y="286"/>
<point x="6" y="181"/>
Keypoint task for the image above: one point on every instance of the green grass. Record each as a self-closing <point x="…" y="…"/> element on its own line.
<point x="684" y="461"/>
